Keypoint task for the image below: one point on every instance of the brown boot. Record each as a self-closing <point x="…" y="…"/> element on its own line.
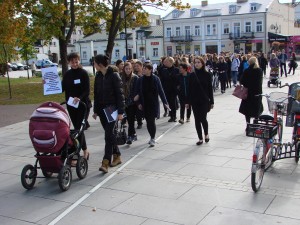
<point x="104" y="166"/>
<point x="116" y="160"/>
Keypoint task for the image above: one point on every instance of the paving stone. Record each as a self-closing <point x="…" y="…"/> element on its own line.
<point x="229" y="198"/>
<point x="225" y="216"/>
<point x="169" y="210"/>
<point x="281" y="206"/>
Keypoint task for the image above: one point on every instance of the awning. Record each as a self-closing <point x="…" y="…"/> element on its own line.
<point x="277" y="37"/>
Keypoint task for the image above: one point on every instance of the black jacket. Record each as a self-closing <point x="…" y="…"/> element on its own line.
<point x="252" y="78"/>
<point x="169" y="79"/>
<point x="108" y="91"/>
<point x="200" y="88"/>
<point x="76" y="83"/>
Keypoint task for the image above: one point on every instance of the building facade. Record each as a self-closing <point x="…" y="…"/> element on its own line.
<point x="241" y="26"/>
<point x="142" y="43"/>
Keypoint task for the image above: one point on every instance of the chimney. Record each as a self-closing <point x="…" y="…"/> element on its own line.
<point x="204" y="3"/>
<point x="241" y="1"/>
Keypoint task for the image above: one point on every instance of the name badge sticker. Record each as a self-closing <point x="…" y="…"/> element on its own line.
<point x="77" y="81"/>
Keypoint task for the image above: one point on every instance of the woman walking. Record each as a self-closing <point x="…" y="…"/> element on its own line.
<point x="76" y="84"/>
<point x="222" y="68"/>
<point x="149" y="87"/>
<point x="108" y="94"/>
<point x="252" y="79"/>
<point x="200" y="97"/>
<point x="183" y="92"/>
<point x="292" y="64"/>
<point x="129" y="80"/>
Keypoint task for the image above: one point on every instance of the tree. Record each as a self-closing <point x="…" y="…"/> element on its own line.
<point x="115" y="22"/>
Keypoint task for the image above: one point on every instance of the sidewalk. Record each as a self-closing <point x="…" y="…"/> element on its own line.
<point x="176" y="182"/>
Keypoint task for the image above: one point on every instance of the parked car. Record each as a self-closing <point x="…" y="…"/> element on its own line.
<point x="12" y="67"/>
<point x="20" y="66"/>
<point x="45" y="63"/>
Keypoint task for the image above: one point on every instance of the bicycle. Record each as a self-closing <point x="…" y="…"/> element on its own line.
<point x="293" y="117"/>
<point x="268" y="131"/>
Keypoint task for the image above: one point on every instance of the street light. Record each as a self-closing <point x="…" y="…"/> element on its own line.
<point x="123" y="16"/>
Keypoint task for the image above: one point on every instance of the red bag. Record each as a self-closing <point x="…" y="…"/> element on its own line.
<point x="240" y="92"/>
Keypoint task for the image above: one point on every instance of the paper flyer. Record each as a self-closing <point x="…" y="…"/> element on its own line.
<point x="51" y="80"/>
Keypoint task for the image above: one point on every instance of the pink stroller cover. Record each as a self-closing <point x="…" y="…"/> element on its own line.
<point x="49" y="127"/>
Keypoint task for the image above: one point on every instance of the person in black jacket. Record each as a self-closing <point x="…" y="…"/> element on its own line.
<point x="76" y="84"/>
<point x="169" y="81"/>
<point x="222" y="68"/>
<point x="183" y="92"/>
<point x="252" y="79"/>
<point x="263" y="63"/>
<point x="129" y="80"/>
<point x="148" y="89"/>
<point x="200" y="97"/>
<point x="108" y="92"/>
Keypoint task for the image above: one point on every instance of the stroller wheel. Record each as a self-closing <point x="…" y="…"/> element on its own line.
<point x="28" y="176"/>
<point x="65" y="178"/>
<point x="47" y="174"/>
<point x="81" y="167"/>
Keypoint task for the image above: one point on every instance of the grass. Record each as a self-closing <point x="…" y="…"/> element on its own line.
<point x="24" y="91"/>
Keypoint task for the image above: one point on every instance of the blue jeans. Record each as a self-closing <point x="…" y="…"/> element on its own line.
<point x="234" y="75"/>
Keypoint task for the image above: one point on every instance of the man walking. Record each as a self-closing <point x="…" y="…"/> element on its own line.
<point x="283" y="58"/>
<point x="235" y="64"/>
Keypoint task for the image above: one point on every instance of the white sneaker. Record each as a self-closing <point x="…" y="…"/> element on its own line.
<point x="151" y="142"/>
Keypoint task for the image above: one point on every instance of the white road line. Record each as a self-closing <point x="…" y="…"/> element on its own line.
<point x="79" y="201"/>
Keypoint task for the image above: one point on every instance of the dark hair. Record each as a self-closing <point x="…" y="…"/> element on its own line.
<point x="139" y="63"/>
<point x="73" y="55"/>
<point x="102" y="59"/>
<point x="148" y="66"/>
<point x="184" y="66"/>
<point x="118" y="62"/>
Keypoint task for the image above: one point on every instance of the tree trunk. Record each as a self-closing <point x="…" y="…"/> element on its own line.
<point x="63" y="55"/>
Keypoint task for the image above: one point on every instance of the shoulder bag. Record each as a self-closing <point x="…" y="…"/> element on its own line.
<point x="240" y="92"/>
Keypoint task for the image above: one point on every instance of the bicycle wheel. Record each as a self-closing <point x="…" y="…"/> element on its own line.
<point x="258" y="165"/>
<point x="297" y="151"/>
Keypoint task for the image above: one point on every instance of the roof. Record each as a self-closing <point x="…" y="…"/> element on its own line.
<point x="219" y="9"/>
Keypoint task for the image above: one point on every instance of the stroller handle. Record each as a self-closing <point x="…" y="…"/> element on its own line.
<point x="83" y="123"/>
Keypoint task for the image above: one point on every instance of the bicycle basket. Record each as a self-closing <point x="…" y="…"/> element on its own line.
<point x="278" y="98"/>
<point x="294" y="91"/>
<point x="261" y="130"/>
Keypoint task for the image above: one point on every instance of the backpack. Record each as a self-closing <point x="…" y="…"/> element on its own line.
<point x="245" y="66"/>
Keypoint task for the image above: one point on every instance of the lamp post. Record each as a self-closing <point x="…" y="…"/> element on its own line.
<point x="133" y="38"/>
<point x="123" y="16"/>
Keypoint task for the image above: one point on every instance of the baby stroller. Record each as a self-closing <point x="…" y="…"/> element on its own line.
<point x="56" y="146"/>
<point x="274" y="77"/>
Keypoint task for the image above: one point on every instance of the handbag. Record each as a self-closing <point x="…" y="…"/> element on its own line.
<point x="240" y="92"/>
<point x="120" y="134"/>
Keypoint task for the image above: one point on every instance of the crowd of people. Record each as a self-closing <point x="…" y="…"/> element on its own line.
<point x="183" y="83"/>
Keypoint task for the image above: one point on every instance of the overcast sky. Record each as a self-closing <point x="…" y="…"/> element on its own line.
<point x="167" y="9"/>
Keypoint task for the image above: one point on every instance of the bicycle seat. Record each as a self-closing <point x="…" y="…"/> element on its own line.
<point x="266" y="117"/>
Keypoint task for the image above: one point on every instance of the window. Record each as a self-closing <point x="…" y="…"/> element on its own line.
<point x="236" y="29"/>
<point x="84" y="55"/>
<point x="211" y="29"/>
<point x="117" y="53"/>
<point x="177" y="31"/>
<point x="178" y="50"/>
<point x="253" y="7"/>
<point x="248" y="27"/>
<point x="226" y="28"/>
<point x="187" y="30"/>
<point x="157" y="22"/>
<point x="193" y="12"/>
<point x="197" y="30"/>
<point x="208" y="29"/>
<point x="259" y="26"/>
<point x="232" y="9"/>
<point x="197" y="49"/>
<point x="214" y="29"/>
<point x="155" y="52"/>
<point x="175" y="14"/>
<point x="169" y="32"/>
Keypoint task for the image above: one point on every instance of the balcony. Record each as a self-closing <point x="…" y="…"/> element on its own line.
<point x="185" y="38"/>
<point x="241" y="35"/>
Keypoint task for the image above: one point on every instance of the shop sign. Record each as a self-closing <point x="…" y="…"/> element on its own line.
<point x="155" y="43"/>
